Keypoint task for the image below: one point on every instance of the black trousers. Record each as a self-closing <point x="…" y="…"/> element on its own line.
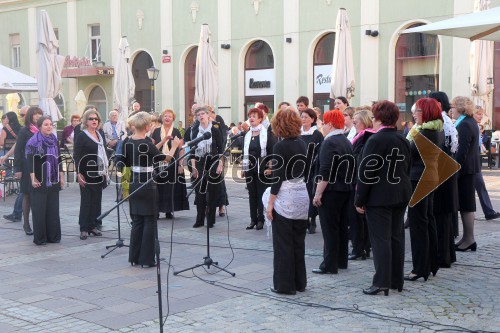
<point x="142" y="240"/>
<point x="90" y="206"/>
<point x="45" y="212"/>
<point x="256" y="189"/>
<point x="386" y="230"/>
<point x="334" y="217"/>
<point x="207" y="193"/>
<point x="358" y="230"/>
<point x="445" y="240"/>
<point x="423" y="236"/>
<point x="289" y="251"/>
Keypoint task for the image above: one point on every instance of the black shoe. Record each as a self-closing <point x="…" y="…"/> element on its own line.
<point x="210" y="225"/>
<point x="260" y="225"/>
<point x="28" y="231"/>
<point x="169" y="215"/>
<point x="375" y="290"/>
<point x="251" y="225"/>
<point x="312" y="226"/>
<point x="321" y="271"/>
<point x="367" y="252"/>
<point x="293" y="292"/>
<point x="487" y="217"/>
<point x="198" y="225"/>
<point x="83" y="235"/>
<point x="12" y="218"/>
<point x="356" y="256"/>
<point x="400" y="289"/>
<point x="95" y="232"/>
<point x="472" y="247"/>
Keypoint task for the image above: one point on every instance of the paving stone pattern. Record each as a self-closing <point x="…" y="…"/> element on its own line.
<point x="67" y="287"/>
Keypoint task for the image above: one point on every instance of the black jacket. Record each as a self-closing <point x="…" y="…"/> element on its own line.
<point x="389" y="184"/>
<point x="336" y="163"/>
<point x="418" y="166"/>
<point x="468" y="147"/>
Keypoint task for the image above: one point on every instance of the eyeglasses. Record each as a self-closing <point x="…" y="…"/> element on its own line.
<point x="93" y="118"/>
<point x="23" y="114"/>
<point x="346" y="115"/>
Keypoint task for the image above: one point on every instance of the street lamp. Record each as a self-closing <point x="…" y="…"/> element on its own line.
<point x="153" y="75"/>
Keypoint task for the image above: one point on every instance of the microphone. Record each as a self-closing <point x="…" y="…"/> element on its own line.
<point x="242" y="133"/>
<point x="205" y="136"/>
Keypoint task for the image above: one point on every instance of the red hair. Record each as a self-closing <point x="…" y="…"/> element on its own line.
<point x="263" y="107"/>
<point x="258" y="111"/>
<point x="335" y="118"/>
<point x="431" y="110"/>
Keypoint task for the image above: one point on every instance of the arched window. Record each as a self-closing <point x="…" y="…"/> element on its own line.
<point x="141" y="63"/>
<point x="259" y="76"/>
<point x="417" y="69"/>
<point x="323" y="57"/>
<point x="97" y="97"/>
<point x="189" y="83"/>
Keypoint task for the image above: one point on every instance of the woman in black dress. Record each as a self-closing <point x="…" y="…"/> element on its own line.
<point x="142" y="156"/>
<point x="312" y="137"/>
<point x="91" y="164"/>
<point x="206" y="158"/>
<point x="285" y="204"/>
<point x="47" y="179"/>
<point x="467" y="155"/>
<point x="171" y="184"/>
<point x="258" y="144"/>
<point x="384" y="201"/>
<point x="336" y="165"/>
<point x="20" y="162"/>
<point x="423" y="235"/>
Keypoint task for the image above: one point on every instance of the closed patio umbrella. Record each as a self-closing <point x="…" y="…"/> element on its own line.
<point x="481" y="66"/>
<point x="206" y="74"/>
<point x="81" y="102"/>
<point x="50" y="65"/>
<point x="343" y="66"/>
<point x="124" y="84"/>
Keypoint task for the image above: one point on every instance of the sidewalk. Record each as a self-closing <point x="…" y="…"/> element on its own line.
<point x="67" y="287"/>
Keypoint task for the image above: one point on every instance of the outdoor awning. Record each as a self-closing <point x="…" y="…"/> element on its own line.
<point x="87" y="71"/>
<point x="479" y="25"/>
<point x="14" y="81"/>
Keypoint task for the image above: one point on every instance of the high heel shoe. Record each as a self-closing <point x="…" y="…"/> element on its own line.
<point x="472" y="247"/>
<point x="95" y="232"/>
<point x="27" y="230"/>
<point x="252" y="225"/>
<point x="415" y="277"/>
<point x="434" y="271"/>
<point x="260" y="225"/>
<point x="373" y="290"/>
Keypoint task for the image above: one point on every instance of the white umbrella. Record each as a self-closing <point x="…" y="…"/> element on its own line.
<point x="206" y="75"/>
<point x="481" y="66"/>
<point x="481" y="25"/>
<point x="343" y="66"/>
<point x="124" y="84"/>
<point x="81" y="102"/>
<point x="50" y="65"/>
<point x="14" y="81"/>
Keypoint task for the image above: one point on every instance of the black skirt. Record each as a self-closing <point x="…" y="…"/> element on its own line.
<point x="467" y="193"/>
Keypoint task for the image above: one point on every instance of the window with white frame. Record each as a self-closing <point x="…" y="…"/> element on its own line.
<point x="95" y="42"/>
<point x="15" y="47"/>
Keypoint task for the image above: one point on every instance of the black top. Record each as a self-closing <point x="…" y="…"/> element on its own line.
<point x="468" y="147"/>
<point x="36" y="165"/>
<point x="316" y="138"/>
<point x="382" y="183"/>
<point x="10" y="139"/>
<point x="254" y="152"/>
<point x="156" y="136"/>
<point x="336" y="163"/>
<point x="357" y="151"/>
<point x="188" y="134"/>
<point x="417" y="165"/>
<point x="85" y="155"/>
<point x="217" y="146"/>
<point x="290" y="157"/>
<point x="23" y="136"/>
<point x="142" y="153"/>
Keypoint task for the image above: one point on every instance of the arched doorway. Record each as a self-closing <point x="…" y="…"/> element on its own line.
<point x="141" y="63"/>
<point x="260" y="79"/>
<point x="97" y="97"/>
<point x="189" y="83"/>
<point x="417" y="69"/>
<point x="323" y="57"/>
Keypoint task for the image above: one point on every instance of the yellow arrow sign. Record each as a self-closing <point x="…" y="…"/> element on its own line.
<point x="439" y="166"/>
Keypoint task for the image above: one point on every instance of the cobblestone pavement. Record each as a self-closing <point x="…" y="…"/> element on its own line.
<point x="67" y="287"/>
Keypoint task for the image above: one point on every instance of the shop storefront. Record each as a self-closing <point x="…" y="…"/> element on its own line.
<point x="323" y="56"/>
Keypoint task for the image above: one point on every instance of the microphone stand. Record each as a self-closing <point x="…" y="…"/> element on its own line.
<point x="208" y="261"/>
<point x="173" y="163"/>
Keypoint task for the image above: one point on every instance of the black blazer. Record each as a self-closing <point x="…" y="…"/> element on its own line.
<point x="384" y="187"/>
<point x="468" y="147"/>
<point x="20" y="162"/>
<point x="333" y="166"/>
<point x="418" y="166"/>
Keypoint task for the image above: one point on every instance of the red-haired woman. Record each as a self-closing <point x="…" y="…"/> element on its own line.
<point x="257" y="145"/>
<point x="423" y="235"/>
<point x="336" y="163"/>
<point x="384" y="201"/>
